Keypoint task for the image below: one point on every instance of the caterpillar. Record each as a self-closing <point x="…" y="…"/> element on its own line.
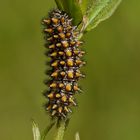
<point x="65" y="62"/>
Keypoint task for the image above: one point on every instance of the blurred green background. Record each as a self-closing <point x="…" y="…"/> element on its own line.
<point x="109" y="109"/>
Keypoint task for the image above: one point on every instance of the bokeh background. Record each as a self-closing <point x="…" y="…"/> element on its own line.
<point x="109" y="108"/>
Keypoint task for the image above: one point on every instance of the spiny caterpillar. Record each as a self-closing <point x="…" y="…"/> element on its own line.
<point x="63" y="49"/>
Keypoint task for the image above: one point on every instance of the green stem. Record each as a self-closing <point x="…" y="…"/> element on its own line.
<point x="60" y="131"/>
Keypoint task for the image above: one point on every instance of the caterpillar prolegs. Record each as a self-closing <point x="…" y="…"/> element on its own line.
<point x="66" y="59"/>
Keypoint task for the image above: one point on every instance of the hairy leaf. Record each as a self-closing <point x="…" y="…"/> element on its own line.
<point x="99" y="11"/>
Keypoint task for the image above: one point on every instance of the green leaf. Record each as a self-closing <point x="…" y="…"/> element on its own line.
<point x="83" y="5"/>
<point x="36" y="132"/>
<point x="60" y="4"/>
<point x="99" y="11"/>
<point x="47" y="129"/>
<point x="77" y="137"/>
<point x="72" y="7"/>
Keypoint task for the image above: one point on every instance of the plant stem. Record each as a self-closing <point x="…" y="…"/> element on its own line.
<point x="60" y="131"/>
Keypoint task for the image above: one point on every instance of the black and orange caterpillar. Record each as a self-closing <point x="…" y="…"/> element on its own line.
<point x="63" y="49"/>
